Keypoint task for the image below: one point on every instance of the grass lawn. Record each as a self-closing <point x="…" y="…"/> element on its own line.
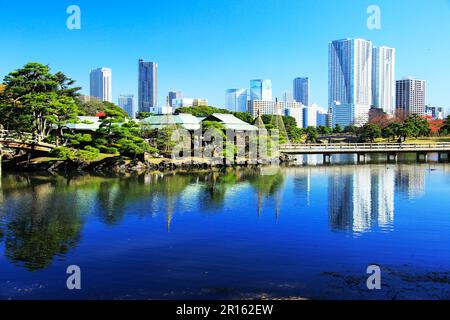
<point x="422" y="140"/>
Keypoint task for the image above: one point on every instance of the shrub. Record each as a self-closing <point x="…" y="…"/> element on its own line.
<point x="63" y="153"/>
<point x="88" y="154"/>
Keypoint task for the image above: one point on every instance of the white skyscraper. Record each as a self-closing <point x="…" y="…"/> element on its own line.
<point x="383" y="79"/>
<point x="350" y="77"/>
<point x="261" y="90"/>
<point x="101" y="84"/>
<point x="236" y="100"/>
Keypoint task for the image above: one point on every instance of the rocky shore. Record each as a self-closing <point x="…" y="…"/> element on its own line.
<point x="123" y="165"/>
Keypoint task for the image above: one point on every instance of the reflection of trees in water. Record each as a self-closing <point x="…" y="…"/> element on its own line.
<point x="215" y="186"/>
<point x="267" y="185"/>
<point x="42" y="223"/>
<point x="43" y="215"/>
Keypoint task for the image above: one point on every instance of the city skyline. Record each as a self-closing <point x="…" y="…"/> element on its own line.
<point x="228" y="61"/>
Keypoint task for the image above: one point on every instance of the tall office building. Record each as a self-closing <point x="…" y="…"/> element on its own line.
<point x="148" y="85"/>
<point x="236" y="100"/>
<point x="383" y="79"/>
<point x="301" y="90"/>
<point x="101" y="84"/>
<point x="261" y="90"/>
<point x="126" y="102"/>
<point x="410" y="96"/>
<point x="174" y="95"/>
<point x="350" y="78"/>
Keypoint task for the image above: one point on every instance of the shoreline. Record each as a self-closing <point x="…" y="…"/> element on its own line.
<point x="122" y="165"/>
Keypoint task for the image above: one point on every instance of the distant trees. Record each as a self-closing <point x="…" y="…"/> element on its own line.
<point x="311" y="134"/>
<point x="445" y="129"/>
<point x="338" y="129"/>
<point x="322" y="130"/>
<point x="201" y="111"/>
<point x="244" y="116"/>
<point x="369" y="132"/>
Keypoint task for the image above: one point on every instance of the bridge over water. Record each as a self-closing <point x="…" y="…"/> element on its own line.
<point x="362" y="149"/>
<point x="22" y="141"/>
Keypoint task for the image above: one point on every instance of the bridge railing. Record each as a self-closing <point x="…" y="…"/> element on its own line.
<point x="13" y="137"/>
<point x="365" y="146"/>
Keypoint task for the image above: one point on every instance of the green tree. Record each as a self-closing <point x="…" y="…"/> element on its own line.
<point x="337" y="129"/>
<point x="91" y="107"/>
<point x="352" y="129"/>
<point x="311" y="134"/>
<point x="323" y="130"/>
<point x="201" y="111"/>
<point x="244" y="116"/>
<point x="370" y="132"/>
<point x="35" y="100"/>
<point x="143" y="115"/>
<point x="445" y="129"/>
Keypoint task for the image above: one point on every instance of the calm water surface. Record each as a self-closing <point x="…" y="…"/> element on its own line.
<point x="306" y="231"/>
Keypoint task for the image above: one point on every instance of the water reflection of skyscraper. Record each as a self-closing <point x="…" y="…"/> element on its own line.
<point x="361" y="197"/>
<point x="302" y="184"/>
<point x="410" y="180"/>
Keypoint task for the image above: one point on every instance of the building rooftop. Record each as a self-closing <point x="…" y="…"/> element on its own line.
<point x="85" y="124"/>
<point x="230" y="122"/>
<point x="187" y="121"/>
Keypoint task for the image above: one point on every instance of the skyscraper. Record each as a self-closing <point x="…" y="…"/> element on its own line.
<point x="410" y="96"/>
<point x="174" y="95"/>
<point x="148" y="85"/>
<point x="383" y="79"/>
<point x="126" y="102"/>
<point x="261" y="90"/>
<point x="101" y="84"/>
<point x="350" y="77"/>
<point x="301" y="90"/>
<point x="236" y="100"/>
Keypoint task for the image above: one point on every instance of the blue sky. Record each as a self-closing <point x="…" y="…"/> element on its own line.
<point x="206" y="46"/>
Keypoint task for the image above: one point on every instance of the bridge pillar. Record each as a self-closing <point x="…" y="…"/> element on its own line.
<point x="444" y="157"/>
<point x="326" y="158"/>
<point x="392" y="157"/>
<point x="422" y="157"/>
<point x="361" y="157"/>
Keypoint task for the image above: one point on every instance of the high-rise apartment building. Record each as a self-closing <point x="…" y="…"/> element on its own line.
<point x="350" y="77"/>
<point x="261" y="90"/>
<point x="260" y="107"/>
<point x="236" y="100"/>
<point x="148" y="85"/>
<point x="410" y="96"/>
<point x="383" y="79"/>
<point x="126" y="102"/>
<point x="301" y="90"/>
<point x="101" y="84"/>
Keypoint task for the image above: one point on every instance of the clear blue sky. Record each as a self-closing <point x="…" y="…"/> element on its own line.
<point x="206" y="46"/>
